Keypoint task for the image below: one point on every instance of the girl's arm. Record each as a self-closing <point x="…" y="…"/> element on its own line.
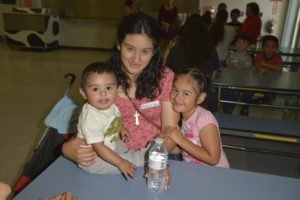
<point x="73" y="150"/>
<point x="210" y="150"/>
<point x="169" y="118"/>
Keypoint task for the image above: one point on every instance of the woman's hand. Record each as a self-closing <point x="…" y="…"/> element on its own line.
<point x="77" y="150"/>
<point x="125" y="135"/>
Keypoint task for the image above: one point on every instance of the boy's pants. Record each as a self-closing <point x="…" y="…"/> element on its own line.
<point x="102" y="167"/>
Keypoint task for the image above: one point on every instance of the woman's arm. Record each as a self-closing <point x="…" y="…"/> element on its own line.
<point x="74" y="150"/>
<point x="169" y="118"/>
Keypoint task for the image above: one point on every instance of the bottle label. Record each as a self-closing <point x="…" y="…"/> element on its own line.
<point x="157" y="162"/>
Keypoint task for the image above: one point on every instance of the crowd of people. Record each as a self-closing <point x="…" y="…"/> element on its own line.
<point x="134" y="97"/>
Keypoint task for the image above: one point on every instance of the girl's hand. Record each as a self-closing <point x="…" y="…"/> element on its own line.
<point x="77" y="150"/>
<point x="167" y="176"/>
<point x="174" y="133"/>
<point x="127" y="168"/>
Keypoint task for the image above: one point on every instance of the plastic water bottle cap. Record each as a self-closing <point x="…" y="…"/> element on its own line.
<point x="159" y="140"/>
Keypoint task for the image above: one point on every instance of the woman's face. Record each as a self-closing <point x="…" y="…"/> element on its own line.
<point x="249" y="12"/>
<point x="136" y="53"/>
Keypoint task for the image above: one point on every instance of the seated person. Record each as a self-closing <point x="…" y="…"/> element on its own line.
<point x="100" y="124"/>
<point x="239" y="59"/>
<point x="269" y="59"/>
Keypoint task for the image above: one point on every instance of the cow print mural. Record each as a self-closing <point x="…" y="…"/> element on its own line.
<point x="45" y="39"/>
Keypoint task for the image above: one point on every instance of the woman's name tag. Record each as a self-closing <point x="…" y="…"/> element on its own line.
<point x="150" y="105"/>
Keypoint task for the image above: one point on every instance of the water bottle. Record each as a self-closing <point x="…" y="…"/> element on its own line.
<point x="157" y="163"/>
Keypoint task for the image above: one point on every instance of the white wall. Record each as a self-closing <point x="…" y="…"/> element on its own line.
<point x="265" y="6"/>
<point x="88" y="33"/>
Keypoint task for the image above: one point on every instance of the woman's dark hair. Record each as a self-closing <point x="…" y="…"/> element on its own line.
<point x="196" y="75"/>
<point x="269" y="38"/>
<point x="222" y="6"/>
<point x="96" y="68"/>
<point x="148" y="82"/>
<point x="217" y="30"/>
<point x="195" y="40"/>
<point x="254" y="8"/>
<point x="128" y="2"/>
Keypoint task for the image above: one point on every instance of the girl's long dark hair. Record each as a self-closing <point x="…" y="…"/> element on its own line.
<point x="217" y="30"/>
<point x="148" y="82"/>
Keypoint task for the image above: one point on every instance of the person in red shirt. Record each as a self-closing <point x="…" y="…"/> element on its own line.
<point x="269" y="59"/>
<point x="252" y="24"/>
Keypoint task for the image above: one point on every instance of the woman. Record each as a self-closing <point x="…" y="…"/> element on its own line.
<point x="221" y="35"/>
<point x="145" y="86"/>
<point x="252" y="24"/>
<point x="168" y="21"/>
<point x="131" y="7"/>
<point x="193" y="48"/>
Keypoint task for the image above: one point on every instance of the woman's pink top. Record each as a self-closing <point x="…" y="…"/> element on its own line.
<point x="144" y="131"/>
<point x="191" y="129"/>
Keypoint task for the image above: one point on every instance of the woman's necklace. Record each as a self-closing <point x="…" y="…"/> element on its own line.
<point x="136" y="114"/>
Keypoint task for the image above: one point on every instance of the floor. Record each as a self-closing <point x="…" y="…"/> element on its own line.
<point x="31" y="82"/>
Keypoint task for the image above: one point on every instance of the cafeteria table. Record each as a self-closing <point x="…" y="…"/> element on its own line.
<point x="189" y="181"/>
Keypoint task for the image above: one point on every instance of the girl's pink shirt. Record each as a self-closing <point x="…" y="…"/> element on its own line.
<point x="191" y="130"/>
<point x="145" y="131"/>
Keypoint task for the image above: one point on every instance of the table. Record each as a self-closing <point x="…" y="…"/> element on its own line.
<point x="189" y="181"/>
<point x="287" y="83"/>
<point x="287" y="51"/>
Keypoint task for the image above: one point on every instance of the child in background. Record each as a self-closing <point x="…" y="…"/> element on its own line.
<point x="99" y="123"/>
<point x="269" y="59"/>
<point x="234" y="15"/>
<point x="240" y="58"/>
<point x="199" y="138"/>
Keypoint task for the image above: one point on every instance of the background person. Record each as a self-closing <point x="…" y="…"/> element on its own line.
<point x="269" y="59"/>
<point x="193" y="48"/>
<point x="131" y="7"/>
<point x="238" y="59"/>
<point x="221" y="35"/>
<point x="234" y="16"/>
<point x="168" y="21"/>
<point x="252" y="23"/>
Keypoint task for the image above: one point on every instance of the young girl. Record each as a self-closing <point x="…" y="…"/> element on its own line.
<point x="199" y="138"/>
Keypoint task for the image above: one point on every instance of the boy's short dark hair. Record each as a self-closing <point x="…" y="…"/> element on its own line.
<point x="235" y="11"/>
<point x="96" y="68"/>
<point x="244" y="37"/>
<point x="269" y="38"/>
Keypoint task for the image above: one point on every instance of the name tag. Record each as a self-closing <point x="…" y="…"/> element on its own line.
<point x="150" y="105"/>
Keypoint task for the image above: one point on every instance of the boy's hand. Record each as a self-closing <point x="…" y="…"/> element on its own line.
<point x="236" y="65"/>
<point x="127" y="168"/>
<point x="125" y="135"/>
